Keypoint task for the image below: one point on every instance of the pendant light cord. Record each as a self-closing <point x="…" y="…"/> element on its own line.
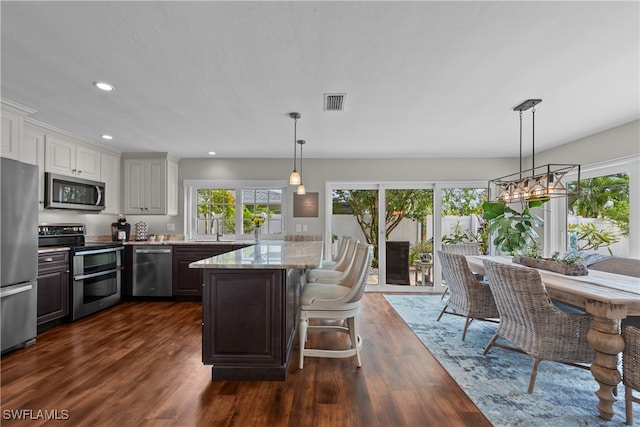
<point x="520" y="144"/>
<point x="533" y="140"/>
<point x="301" y="144"/>
<point x="295" y="125"/>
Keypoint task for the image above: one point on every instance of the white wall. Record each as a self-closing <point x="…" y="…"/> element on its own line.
<point x="614" y="143"/>
<point x="611" y="144"/>
<point x="99" y="224"/>
<point x="318" y="171"/>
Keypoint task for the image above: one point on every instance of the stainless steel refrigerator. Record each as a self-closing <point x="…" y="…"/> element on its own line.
<point x="19" y="253"/>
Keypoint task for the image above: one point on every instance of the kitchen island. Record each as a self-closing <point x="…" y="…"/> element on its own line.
<point x="250" y="308"/>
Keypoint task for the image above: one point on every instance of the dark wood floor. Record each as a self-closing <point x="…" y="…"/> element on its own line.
<point x="139" y="364"/>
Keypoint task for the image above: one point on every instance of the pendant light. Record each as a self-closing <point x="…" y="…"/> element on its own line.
<point x="301" y="191"/>
<point x="294" y="178"/>
<point x="539" y="182"/>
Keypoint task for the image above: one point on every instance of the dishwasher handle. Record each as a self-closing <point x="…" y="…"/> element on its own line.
<point x="152" y="251"/>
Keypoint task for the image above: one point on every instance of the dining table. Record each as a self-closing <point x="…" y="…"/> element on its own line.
<point x="608" y="298"/>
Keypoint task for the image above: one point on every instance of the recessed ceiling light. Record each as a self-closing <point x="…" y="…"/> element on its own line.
<point x="104" y="86"/>
<point x="107" y="137"/>
<point x="212" y="153"/>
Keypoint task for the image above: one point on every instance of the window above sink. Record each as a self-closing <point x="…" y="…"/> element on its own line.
<point x="223" y="210"/>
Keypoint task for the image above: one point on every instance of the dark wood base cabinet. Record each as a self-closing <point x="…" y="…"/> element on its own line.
<point x="188" y="281"/>
<point x="53" y="289"/>
<point x="249" y="321"/>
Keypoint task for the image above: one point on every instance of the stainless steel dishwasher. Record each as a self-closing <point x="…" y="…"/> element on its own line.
<point x="152" y="271"/>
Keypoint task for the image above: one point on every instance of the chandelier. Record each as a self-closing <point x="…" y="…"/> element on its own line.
<point x="538" y="182"/>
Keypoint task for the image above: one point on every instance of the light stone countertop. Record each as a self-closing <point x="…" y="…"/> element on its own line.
<point x="189" y="242"/>
<point x="53" y="249"/>
<point x="266" y="254"/>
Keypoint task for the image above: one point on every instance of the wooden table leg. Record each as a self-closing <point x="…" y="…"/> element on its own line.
<point x="606" y="340"/>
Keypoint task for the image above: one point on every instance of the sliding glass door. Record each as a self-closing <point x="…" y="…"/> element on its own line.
<point x="355" y="214"/>
<point x="387" y="216"/>
<point x="408" y="234"/>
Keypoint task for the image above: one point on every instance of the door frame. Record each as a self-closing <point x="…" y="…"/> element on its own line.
<point x="381" y="187"/>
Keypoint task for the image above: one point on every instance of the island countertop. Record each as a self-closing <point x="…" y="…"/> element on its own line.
<point x="268" y="254"/>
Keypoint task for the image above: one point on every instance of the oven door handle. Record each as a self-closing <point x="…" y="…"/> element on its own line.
<point x="99" y="273"/>
<point x="99" y="251"/>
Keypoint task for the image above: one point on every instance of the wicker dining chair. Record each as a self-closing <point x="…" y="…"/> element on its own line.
<point x="531" y="322"/>
<point x="466" y="248"/>
<point x="630" y="368"/>
<point x="468" y="297"/>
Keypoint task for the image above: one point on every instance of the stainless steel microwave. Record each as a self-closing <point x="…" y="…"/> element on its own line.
<point x="69" y="192"/>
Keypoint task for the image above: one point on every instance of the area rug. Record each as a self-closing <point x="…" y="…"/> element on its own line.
<point x="497" y="383"/>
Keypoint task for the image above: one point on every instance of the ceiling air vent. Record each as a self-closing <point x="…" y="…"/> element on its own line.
<point x="334" y="101"/>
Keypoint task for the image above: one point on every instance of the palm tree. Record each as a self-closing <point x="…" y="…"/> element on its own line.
<point x="603" y="197"/>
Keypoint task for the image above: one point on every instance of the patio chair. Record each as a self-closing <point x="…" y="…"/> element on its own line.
<point x="338" y="302"/>
<point x="630" y="368"/>
<point x="531" y="322"/>
<point x="468" y="297"/>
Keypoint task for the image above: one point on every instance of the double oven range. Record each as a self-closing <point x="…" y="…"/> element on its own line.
<point x="95" y="279"/>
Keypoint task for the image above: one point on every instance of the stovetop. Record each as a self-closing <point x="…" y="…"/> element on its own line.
<point x="69" y="235"/>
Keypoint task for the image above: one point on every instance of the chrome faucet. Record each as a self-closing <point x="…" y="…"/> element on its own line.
<point x="216" y="220"/>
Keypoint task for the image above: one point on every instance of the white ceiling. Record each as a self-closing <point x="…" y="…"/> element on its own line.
<point x="424" y="79"/>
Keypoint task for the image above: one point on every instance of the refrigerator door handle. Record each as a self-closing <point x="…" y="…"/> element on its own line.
<point x="13" y="290"/>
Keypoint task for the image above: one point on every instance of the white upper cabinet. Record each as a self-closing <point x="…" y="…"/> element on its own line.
<point x="150" y="186"/>
<point x="71" y="158"/>
<point x="32" y="151"/>
<point x="32" y="147"/>
<point x="11" y="128"/>
<point x="11" y="125"/>
<point x="110" y="175"/>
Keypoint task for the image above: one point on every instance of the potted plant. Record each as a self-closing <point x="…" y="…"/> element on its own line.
<point x="422" y="251"/>
<point x="513" y="231"/>
<point x="570" y="265"/>
<point x="515" y="234"/>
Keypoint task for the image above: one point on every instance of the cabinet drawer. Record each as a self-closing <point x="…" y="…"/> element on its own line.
<point x="50" y="260"/>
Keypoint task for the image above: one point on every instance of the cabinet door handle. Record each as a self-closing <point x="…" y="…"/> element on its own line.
<point x="48" y="259"/>
<point x="79" y="172"/>
<point x="74" y="170"/>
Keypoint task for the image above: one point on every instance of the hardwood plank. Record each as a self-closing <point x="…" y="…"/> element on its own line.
<point x="140" y="364"/>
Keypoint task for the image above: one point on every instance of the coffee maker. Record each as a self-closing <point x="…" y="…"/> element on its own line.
<point x="120" y="230"/>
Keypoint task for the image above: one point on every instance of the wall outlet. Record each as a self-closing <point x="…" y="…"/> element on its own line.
<point x="298" y="228"/>
<point x="171" y="227"/>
